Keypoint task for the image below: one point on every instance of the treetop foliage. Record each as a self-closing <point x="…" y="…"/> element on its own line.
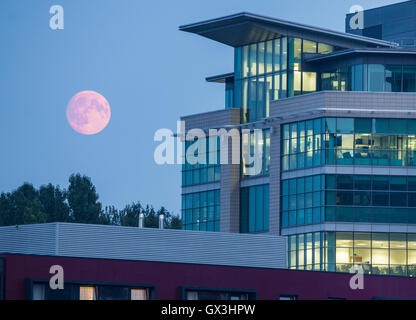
<point x="78" y="204"/>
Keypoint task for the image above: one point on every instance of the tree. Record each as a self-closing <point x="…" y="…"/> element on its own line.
<point x="78" y="204"/>
<point x="129" y="216"/>
<point x="53" y="200"/>
<point x="22" y="206"/>
<point x="83" y="200"/>
<point x="151" y="220"/>
<point x="109" y="216"/>
<point x="7" y="217"/>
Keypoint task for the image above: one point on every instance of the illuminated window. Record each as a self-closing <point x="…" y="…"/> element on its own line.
<point x="87" y="293"/>
<point x="309" y="82"/>
<point x="139" y="294"/>
<point x="325" y="48"/>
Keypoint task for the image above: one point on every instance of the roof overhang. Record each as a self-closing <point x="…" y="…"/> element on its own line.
<point x="245" y="28"/>
<point x="222" y="78"/>
<point x="354" y="52"/>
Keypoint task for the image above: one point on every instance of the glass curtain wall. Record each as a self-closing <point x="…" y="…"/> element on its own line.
<point x="303" y="201"/>
<point x="348" y="198"/>
<point x="370" y="77"/>
<point x="249" y="143"/>
<point x="201" y="211"/>
<point x="254" y="206"/>
<point x="348" y="141"/>
<point x="272" y="70"/>
<point x="377" y="253"/>
<point x="201" y="173"/>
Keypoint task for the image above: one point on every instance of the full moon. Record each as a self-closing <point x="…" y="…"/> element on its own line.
<point x="88" y="112"/>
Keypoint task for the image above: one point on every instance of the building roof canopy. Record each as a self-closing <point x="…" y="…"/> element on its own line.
<point x="245" y="28"/>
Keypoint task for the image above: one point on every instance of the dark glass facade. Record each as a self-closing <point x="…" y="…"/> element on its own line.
<point x="303" y="201"/>
<point x="201" y="211"/>
<point x="348" y="198"/>
<point x="206" y="171"/>
<point x="254" y="206"/>
<point x="371" y="77"/>
<point x="349" y="141"/>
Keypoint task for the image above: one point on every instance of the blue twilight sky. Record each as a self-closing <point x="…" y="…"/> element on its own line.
<point x="131" y="52"/>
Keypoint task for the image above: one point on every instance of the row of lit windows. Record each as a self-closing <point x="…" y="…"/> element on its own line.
<point x="272" y="70"/>
<point x="201" y="211"/>
<point x="274" y="55"/>
<point x="377" y="253"/>
<point x="349" y="125"/>
<point x="349" y="141"/>
<point x="42" y="291"/>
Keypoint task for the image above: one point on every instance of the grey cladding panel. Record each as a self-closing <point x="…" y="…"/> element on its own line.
<point x="129" y="243"/>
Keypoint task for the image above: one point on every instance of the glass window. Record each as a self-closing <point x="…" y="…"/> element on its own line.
<point x="309" y="82"/>
<point x="87" y="293"/>
<point x="398" y="241"/>
<point x="330" y="125"/>
<point x="398" y="126"/>
<point x="362" y="125"/>
<point x="381" y="126"/>
<point x="409" y="78"/>
<point x="398" y="183"/>
<point x="380" y="199"/>
<point x="344" y="182"/>
<point x="245" y="62"/>
<point x="295" y="83"/>
<point x="393" y="78"/>
<point x="381" y="183"/>
<point x="238" y="63"/>
<point x="114" y="293"/>
<point x="325" y="48"/>
<point x="362" y="240"/>
<point x="380" y="240"/>
<point x="345" y="125"/>
<point x="309" y="46"/>
<point x="357" y="78"/>
<point x="344" y="239"/>
<point x="283" y="51"/>
<point x="261" y="50"/>
<point x="276" y="55"/>
<point x="38" y="291"/>
<point x="362" y="182"/>
<point x="253" y="58"/>
<point x="375" y="77"/>
<point x="295" y="53"/>
<point x="139" y="294"/>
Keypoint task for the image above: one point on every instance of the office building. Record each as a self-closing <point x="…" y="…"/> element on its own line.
<point x="337" y="114"/>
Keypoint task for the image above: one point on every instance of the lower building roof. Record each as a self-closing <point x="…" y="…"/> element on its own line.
<point x="130" y="243"/>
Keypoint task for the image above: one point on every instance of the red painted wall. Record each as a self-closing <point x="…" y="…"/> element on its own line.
<point x="169" y="277"/>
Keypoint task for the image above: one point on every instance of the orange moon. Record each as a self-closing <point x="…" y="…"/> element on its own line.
<point x="88" y="112"/>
